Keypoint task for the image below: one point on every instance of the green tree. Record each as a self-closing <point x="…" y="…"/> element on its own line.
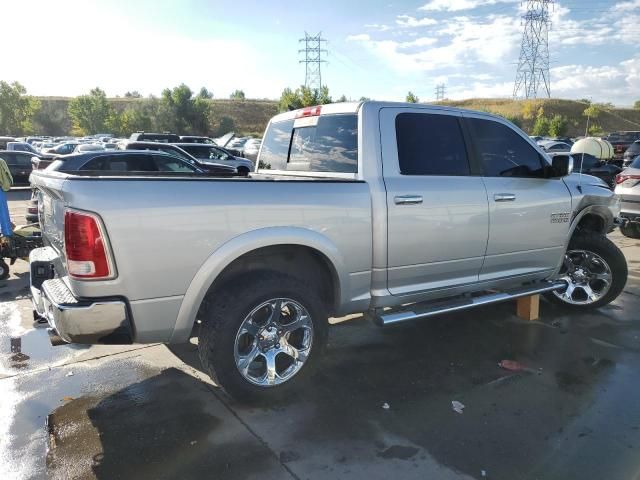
<point x="636" y="105"/>
<point x="16" y="109"/>
<point x="237" y="95"/>
<point x="342" y="98"/>
<point x="91" y="113"/>
<point x="50" y="119"/>
<point x="558" y="126"/>
<point x="541" y="126"/>
<point x="179" y="111"/>
<point x="134" y="94"/>
<point x="303" y="97"/>
<point x="365" y="99"/>
<point x="593" y="111"/>
<point x="412" y="98"/>
<point x="204" y="93"/>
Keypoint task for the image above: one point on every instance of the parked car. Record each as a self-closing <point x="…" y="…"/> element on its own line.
<point x="88" y="147"/>
<point x="42" y="160"/>
<point x="195" y="139"/>
<point x="631" y="153"/>
<point x="207" y="153"/>
<point x="621" y="141"/>
<point x="21" y="147"/>
<point x="119" y="161"/>
<point x="235" y="145"/>
<point x="349" y="215"/>
<point x="554" y="146"/>
<point x="216" y="168"/>
<point x="251" y="149"/>
<point x="628" y="189"/>
<point x="63" y="148"/>
<point x="4" y="141"/>
<point x="19" y="164"/>
<point x="154" y="137"/>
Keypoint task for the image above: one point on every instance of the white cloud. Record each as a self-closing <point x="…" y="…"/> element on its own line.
<point x="463" y="40"/>
<point x="458" y="5"/>
<point x="407" y="21"/>
<point x="626" y="6"/>
<point x="619" y="83"/>
<point x="378" y="27"/>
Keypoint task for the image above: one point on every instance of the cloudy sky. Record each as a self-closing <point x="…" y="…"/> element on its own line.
<point x="380" y="49"/>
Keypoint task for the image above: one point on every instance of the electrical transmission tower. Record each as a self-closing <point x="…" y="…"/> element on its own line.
<point x="313" y="53"/>
<point x="440" y="91"/>
<point x="532" y="76"/>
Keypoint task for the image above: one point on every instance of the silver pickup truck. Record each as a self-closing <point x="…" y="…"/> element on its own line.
<point x="400" y="211"/>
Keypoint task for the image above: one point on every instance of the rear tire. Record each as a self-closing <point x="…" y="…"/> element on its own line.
<point x="246" y="330"/>
<point x="4" y="270"/>
<point x="595" y="270"/>
<point x="631" y="230"/>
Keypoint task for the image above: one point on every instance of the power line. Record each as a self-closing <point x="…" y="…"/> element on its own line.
<point x="532" y="74"/>
<point x="313" y="53"/>
<point x="440" y="91"/>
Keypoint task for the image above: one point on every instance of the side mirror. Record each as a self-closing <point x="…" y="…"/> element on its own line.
<point x="561" y="166"/>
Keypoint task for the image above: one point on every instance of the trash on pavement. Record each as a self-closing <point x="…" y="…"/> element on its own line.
<point x="457" y="406"/>
<point x="70" y="374"/>
<point x="386" y="406"/>
<point x="512" y="365"/>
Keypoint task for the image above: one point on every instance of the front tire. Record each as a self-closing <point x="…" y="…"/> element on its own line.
<point x="595" y="271"/>
<point x="262" y="335"/>
<point x="631" y="230"/>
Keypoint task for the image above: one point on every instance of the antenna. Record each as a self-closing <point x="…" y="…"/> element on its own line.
<point x="586" y="133"/>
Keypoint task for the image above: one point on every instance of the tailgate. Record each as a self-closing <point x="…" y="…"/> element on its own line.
<point x="51" y="206"/>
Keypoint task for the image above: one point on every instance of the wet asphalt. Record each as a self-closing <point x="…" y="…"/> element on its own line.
<point x="378" y="406"/>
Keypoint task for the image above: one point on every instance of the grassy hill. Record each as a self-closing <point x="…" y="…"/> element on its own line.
<point x="249" y="117"/>
<point x="610" y="120"/>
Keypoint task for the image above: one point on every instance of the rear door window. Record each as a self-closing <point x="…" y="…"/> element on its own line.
<point x="430" y="144"/>
<point x="327" y="143"/>
<point x="504" y="153"/>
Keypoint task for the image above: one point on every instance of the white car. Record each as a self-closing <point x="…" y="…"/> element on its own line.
<point x="628" y="191"/>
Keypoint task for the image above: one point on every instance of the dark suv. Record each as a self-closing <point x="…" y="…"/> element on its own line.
<point x="216" y="168"/>
<point x="621" y="142"/>
<point x="165" y="137"/>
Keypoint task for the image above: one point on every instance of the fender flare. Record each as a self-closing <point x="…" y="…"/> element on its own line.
<point x="600" y="210"/>
<point x="238" y="246"/>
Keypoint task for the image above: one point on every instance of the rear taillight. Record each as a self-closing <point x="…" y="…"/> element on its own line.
<point x="621" y="178"/>
<point x="84" y="245"/>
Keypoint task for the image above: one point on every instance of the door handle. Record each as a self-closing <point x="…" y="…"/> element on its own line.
<point x="504" y="197"/>
<point x="408" y="199"/>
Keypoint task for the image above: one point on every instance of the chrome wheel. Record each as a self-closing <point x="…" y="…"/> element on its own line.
<point x="273" y="342"/>
<point x="587" y="275"/>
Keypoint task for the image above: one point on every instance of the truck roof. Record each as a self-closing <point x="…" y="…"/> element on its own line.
<point x="353" y="107"/>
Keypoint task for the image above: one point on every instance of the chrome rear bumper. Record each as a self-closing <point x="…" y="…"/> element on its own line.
<point x="87" y="321"/>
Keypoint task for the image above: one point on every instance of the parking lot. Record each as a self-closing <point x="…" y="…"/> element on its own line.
<point x="380" y="405"/>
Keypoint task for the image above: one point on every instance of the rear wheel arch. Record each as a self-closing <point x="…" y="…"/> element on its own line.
<point x="297" y="261"/>
<point x="256" y="243"/>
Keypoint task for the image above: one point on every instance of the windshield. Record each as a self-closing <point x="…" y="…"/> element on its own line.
<point x="636" y="162"/>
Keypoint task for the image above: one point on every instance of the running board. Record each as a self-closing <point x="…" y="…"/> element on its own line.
<point x="429" y="309"/>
